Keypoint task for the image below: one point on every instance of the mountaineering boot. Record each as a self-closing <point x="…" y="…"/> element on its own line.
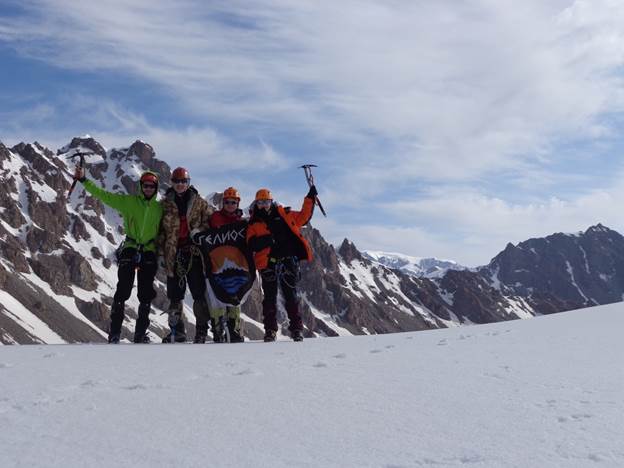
<point x="176" y="324"/>
<point x="202" y="314"/>
<point x="218" y="334"/>
<point x="235" y="332"/>
<point x="144" y="338"/>
<point x="270" y="335"/>
<point x="117" y="315"/>
<point x="142" y="323"/>
<point x="297" y="335"/>
<point x="294" y="317"/>
<point x="200" y="334"/>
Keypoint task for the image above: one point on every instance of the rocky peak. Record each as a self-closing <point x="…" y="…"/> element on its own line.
<point x="349" y="252"/>
<point x="599" y="231"/>
<point x="143" y="151"/>
<point x="85" y="142"/>
<point x="4" y="152"/>
<point x="322" y="250"/>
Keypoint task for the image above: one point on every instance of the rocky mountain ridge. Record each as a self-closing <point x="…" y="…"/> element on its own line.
<point x="57" y="271"/>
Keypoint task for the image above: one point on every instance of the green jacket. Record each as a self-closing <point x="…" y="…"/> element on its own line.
<point x="141" y="216"/>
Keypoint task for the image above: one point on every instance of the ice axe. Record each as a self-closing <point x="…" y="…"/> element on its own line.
<point x="81" y="164"/>
<point x="307" y="168"/>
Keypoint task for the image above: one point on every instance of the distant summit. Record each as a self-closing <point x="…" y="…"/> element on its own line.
<point x="417" y="266"/>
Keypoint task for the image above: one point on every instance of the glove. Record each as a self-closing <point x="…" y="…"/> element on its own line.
<point x="312" y="193"/>
<point x="196" y="237"/>
<point x="79" y="174"/>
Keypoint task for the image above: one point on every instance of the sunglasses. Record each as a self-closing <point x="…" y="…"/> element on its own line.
<point x="148" y="186"/>
<point x="264" y="202"/>
<point x="180" y="181"/>
<point x="230" y="202"/>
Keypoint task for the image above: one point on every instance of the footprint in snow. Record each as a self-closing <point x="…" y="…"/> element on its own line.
<point x="49" y="355"/>
<point x="375" y="351"/>
<point x="135" y="387"/>
<point x="574" y="417"/>
<point x="88" y="384"/>
<point x="339" y="356"/>
<point x="320" y="364"/>
<point x="5" y="365"/>
<point x="389" y="346"/>
<point x="442" y="342"/>
<point x="245" y="372"/>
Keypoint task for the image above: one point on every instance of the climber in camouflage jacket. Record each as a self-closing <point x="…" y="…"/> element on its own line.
<point x="198" y="213"/>
<point x="184" y="210"/>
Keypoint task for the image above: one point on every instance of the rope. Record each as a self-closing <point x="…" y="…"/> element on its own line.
<point x="183" y="264"/>
<point x="282" y="272"/>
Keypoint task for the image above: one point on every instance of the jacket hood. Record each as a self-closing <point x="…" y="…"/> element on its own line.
<point x="140" y="189"/>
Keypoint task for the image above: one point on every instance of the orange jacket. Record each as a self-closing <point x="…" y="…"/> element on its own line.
<point x="260" y="239"/>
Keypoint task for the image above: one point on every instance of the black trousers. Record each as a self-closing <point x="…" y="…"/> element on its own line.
<point x="195" y="278"/>
<point x="143" y="266"/>
<point x="283" y="274"/>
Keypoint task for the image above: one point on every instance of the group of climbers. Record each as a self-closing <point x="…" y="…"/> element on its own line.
<point x="165" y="228"/>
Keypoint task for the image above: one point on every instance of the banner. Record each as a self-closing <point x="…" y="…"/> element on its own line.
<point x="230" y="268"/>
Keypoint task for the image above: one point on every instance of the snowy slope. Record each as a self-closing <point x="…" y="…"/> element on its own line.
<point x="545" y="392"/>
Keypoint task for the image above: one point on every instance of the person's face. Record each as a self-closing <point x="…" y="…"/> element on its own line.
<point x="149" y="188"/>
<point x="180" y="185"/>
<point x="264" y="204"/>
<point x="230" y="205"/>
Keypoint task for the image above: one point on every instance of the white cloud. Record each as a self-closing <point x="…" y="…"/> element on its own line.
<point x="459" y="88"/>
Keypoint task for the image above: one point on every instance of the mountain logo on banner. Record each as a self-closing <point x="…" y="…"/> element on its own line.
<point x="229" y="262"/>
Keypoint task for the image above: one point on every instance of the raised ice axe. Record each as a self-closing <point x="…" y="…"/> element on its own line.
<point x="307" y="168"/>
<point x="81" y="164"/>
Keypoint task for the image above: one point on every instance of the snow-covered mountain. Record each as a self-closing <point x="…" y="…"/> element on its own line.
<point x="544" y="393"/>
<point x="417" y="266"/>
<point x="57" y="272"/>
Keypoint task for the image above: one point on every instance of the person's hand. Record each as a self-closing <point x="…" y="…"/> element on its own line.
<point x="196" y="236"/>
<point x="313" y="192"/>
<point x="79" y="174"/>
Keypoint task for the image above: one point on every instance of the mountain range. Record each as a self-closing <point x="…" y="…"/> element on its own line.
<point x="57" y="271"/>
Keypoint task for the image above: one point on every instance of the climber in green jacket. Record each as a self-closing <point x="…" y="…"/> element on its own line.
<point x="142" y="214"/>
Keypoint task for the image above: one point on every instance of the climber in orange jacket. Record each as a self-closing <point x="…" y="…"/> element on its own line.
<point x="274" y="235"/>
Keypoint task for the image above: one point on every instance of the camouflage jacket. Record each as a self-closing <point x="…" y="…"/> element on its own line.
<point x="198" y="213"/>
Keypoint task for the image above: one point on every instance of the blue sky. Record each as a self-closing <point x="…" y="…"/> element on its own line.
<point x="440" y="128"/>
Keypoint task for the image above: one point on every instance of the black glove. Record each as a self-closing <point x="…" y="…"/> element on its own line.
<point x="196" y="236"/>
<point x="80" y="174"/>
<point x="312" y="193"/>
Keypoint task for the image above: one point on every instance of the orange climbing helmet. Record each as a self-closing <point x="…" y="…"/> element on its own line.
<point x="231" y="192"/>
<point x="264" y="194"/>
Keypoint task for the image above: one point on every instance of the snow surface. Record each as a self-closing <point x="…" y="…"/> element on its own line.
<point x="545" y="392"/>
